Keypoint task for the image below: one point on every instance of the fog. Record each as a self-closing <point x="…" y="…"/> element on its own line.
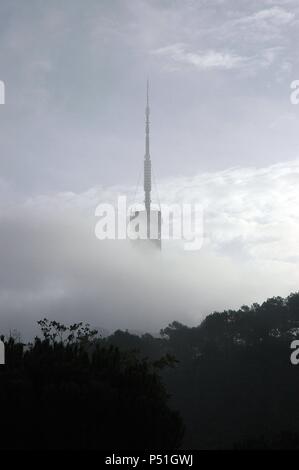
<point x="52" y="264"/>
<point x="223" y="134"/>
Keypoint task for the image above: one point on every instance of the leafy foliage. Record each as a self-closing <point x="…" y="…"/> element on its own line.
<point x="234" y="384"/>
<point x="68" y="391"/>
<point x="230" y="378"/>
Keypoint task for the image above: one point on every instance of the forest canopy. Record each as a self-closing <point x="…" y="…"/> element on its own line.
<point x="227" y="383"/>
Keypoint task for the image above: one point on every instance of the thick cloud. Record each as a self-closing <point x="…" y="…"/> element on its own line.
<point x="53" y="265"/>
<point x="75" y="74"/>
<point x="220" y="74"/>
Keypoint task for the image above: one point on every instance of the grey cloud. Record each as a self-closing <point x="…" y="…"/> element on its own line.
<point x="202" y="60"/>
<point x="75" y="78"/>
<point x="53" y="265"/>
<point x="72" y="134"/>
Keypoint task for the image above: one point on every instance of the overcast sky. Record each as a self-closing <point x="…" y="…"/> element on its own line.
<point x="223" y="132"/>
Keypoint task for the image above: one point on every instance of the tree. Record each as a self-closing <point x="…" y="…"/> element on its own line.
<point x="62" y="394"/>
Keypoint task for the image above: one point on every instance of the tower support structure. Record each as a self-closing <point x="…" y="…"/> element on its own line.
<point x="151" y="219"/>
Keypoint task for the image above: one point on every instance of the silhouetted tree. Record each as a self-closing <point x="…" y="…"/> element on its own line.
<point x="67" y="391"/>
<point x="234" y="381"/>
<point x="230" y="377"/>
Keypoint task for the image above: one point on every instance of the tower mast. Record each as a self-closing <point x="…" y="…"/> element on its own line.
<point x="147" y="165"/>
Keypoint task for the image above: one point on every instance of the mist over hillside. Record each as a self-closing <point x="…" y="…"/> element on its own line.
<point x="53" y="265"/>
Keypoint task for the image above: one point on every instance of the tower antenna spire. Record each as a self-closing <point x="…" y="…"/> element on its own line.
<point x="147" y="163"/>
<point x="149" y="221"/>
<point x="147" y="92"/>
<point x="147" y="123"/>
